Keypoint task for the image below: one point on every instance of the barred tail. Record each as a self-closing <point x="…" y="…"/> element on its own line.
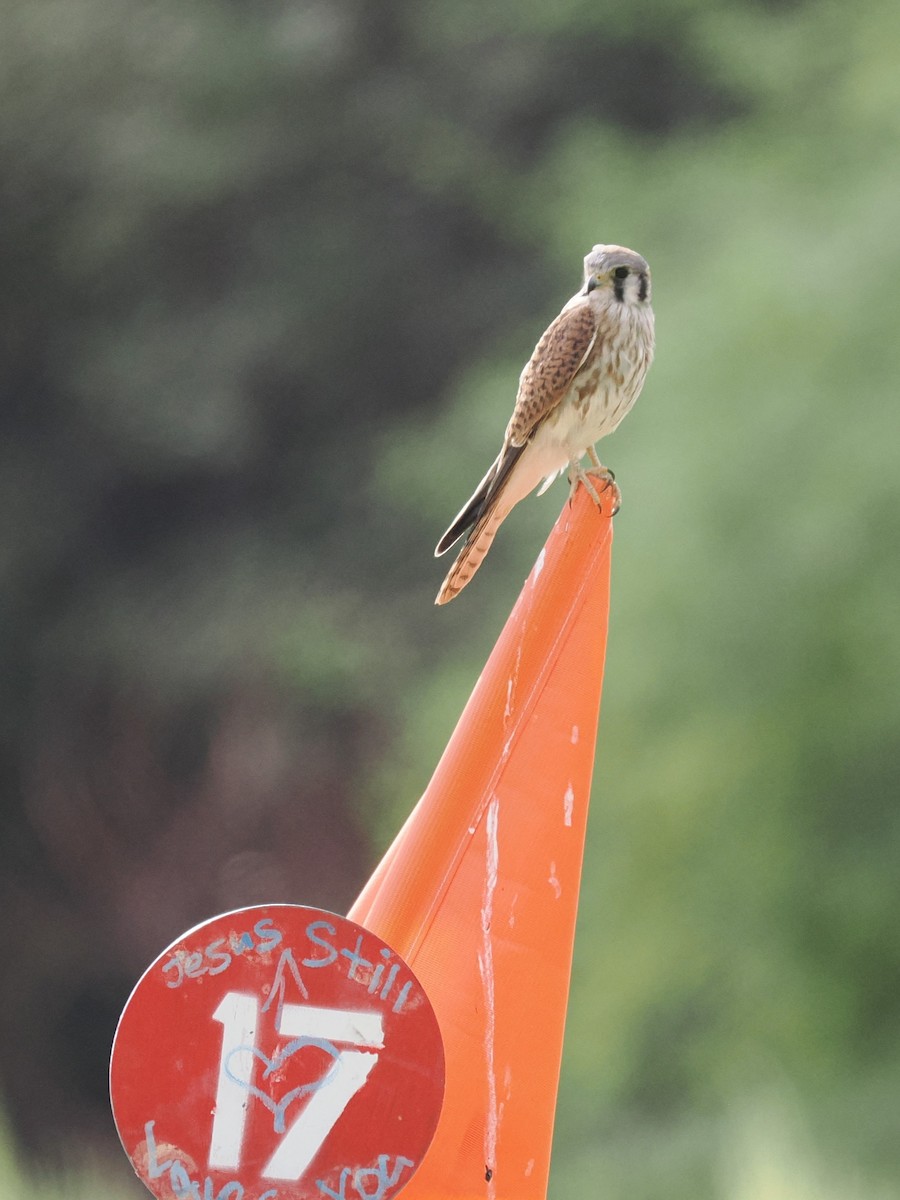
<point x="481" y="516"/>
<point x="476" y="547"/>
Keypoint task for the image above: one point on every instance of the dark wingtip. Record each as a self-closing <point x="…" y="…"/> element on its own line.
<point x="449" y="539"/>
<point x="460" y="526"/>
<point x="469" y="516"/>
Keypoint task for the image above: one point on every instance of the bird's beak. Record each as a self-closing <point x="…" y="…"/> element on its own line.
<point x="591" y="284"/>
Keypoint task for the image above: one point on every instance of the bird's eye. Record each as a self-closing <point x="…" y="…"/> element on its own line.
<point x="621" y="272"/>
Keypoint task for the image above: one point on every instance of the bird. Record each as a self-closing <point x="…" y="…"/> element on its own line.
<point x="584" y="375"/>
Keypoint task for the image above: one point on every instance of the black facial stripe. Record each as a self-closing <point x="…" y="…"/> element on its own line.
<point x="619" y="289"/>
<point x="642" y="291"/>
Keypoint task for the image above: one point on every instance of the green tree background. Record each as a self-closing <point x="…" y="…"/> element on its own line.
<point x="268" y="273"/>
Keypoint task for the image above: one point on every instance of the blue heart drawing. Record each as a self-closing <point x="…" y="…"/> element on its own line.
<point x="279" y="1107"/>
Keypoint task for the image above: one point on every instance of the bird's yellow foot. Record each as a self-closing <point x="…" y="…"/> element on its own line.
<point x="610" y="478"/>
<point x="577" y="474"/>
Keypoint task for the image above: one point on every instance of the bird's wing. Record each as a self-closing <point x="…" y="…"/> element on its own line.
<point x="557" y="357"/>
<point x="544" y="381"/>
<point x="469" y="513"/>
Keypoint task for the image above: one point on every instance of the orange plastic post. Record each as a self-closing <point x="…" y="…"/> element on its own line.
<point x="479" y="891"/>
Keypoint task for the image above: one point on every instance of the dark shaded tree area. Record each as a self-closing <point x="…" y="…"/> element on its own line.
<point x="239" y="244"/>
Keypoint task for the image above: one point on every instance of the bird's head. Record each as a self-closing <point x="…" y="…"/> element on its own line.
<point x="619" y="274"/>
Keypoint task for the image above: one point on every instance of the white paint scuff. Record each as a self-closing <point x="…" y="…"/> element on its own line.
<point x="574" y="735"/>
<point x="554" y="882"/>
<point x="511" y="685"/>
<point x="568" y="805"/>
<point x="486" y="968"/>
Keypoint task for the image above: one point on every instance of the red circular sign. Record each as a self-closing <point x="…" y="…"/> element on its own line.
<point x="277" y="1053"/>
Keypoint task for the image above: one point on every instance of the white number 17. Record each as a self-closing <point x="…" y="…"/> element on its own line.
<point x="238" y="1013"/>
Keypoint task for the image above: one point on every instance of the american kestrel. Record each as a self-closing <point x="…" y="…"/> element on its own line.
<point x="584" y="375"/>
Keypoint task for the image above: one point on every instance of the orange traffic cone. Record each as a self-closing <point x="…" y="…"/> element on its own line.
<point x="479" y="891"/>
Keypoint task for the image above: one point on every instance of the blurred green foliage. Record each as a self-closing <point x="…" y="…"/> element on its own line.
<point x="269" y="275"/>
